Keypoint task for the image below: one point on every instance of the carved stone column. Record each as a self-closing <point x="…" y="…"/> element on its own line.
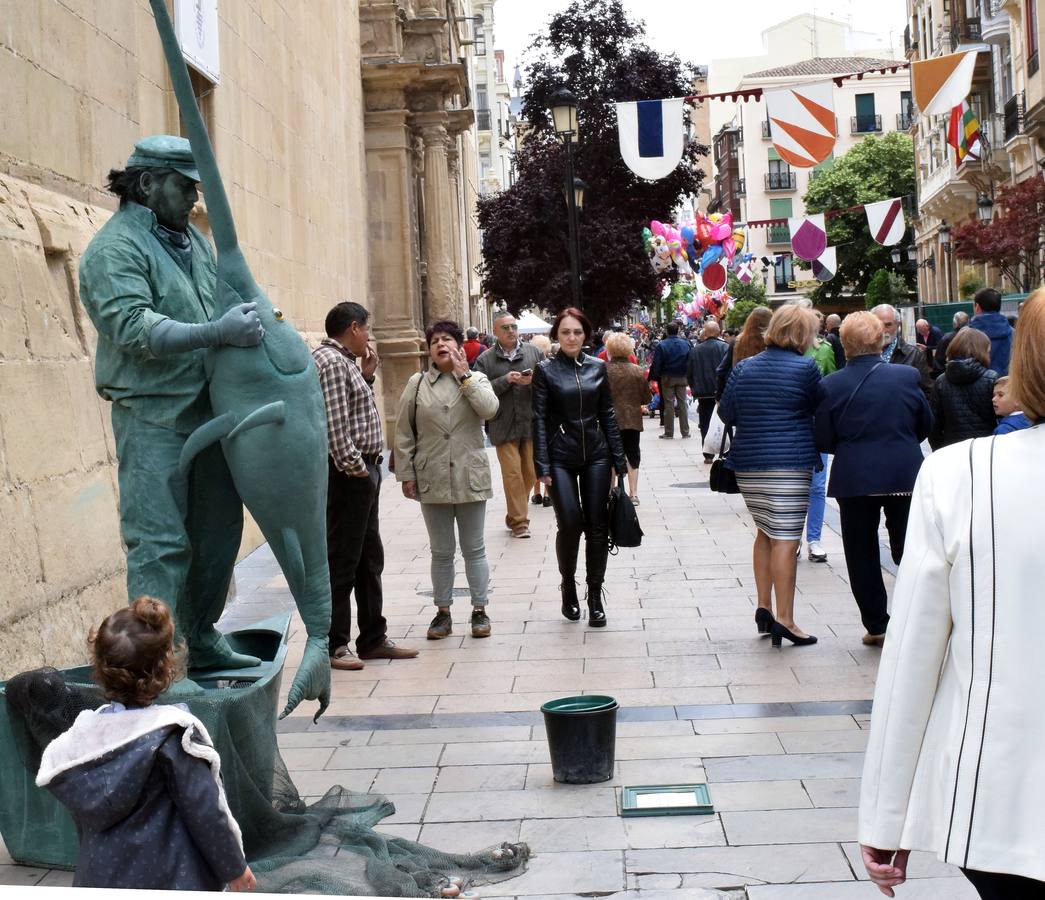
<point x="439" y="301"/>
<point x="453" y="157"/>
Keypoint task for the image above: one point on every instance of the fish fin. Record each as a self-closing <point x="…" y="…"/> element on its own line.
<point x="269" y="414"/>
<point x="203" y="437"/>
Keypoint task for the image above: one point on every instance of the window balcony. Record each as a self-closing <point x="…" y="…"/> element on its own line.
<point x="994" y="23"/>
<point x="482" y="119"/>
<point x="904" y="120"/>
<point x="765" y="130"/>
<point x="778" y="234"/>
<point x="741" y="187"/>
<point x="967" y="32"/>
<point x="1013" y="116"/>
<point x="865" y="124"/>
<point x="781" y="181"/>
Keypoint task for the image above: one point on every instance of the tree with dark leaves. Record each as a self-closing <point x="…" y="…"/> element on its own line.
<point x="600" y="54"/>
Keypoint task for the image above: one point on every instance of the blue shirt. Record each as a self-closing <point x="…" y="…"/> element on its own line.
<point x="1015" y="422"/>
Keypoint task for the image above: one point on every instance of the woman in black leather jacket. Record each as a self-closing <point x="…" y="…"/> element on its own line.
<point x="576" y="448"/>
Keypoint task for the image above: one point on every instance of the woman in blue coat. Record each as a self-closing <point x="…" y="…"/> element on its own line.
<point x="770" y="399"/>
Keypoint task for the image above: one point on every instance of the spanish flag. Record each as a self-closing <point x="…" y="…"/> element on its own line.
<point x="963" y="133"/>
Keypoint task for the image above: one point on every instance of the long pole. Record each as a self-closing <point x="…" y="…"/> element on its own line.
<point x="571" y="208"/>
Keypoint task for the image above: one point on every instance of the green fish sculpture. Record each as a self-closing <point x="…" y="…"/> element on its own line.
<point x="269" y="412"/>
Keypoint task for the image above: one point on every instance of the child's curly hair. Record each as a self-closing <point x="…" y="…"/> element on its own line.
<point x="135" y="659"/>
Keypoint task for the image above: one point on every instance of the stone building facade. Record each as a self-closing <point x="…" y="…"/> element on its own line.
<point x="338" y="125"/>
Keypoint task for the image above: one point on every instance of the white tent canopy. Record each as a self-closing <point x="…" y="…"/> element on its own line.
<point x="532" y="324"/>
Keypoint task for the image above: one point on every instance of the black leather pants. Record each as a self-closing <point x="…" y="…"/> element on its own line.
<point x="581" y="501"/>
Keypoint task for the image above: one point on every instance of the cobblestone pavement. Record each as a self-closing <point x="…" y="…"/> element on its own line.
<point x="456" y="740"/>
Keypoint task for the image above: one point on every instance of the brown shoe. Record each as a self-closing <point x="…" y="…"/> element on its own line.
<point x="388" y="650"/>
<point x="345" y="659"/>
<point x="521" y="532"/>
<point x="874" y="640"/>
<point x="442" y="625"/>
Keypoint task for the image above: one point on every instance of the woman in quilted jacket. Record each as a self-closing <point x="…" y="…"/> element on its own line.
<point x="962" y="403"/>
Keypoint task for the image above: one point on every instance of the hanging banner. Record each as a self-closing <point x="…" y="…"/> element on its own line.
<point x="808" y="236"/>
<point x="942" y="83"/>
<point x="746" y="269"/>
<point x="652" y="136"/>
<point x="825" y="267"/>
<point x="963" y="132"/>
<point x="886" y="221"/>
<point x="802" y="122"/>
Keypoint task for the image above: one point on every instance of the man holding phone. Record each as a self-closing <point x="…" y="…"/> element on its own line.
<point x="509" y="365"/>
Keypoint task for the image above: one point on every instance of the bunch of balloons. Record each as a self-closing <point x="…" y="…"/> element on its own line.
<point x="695" y="247"/>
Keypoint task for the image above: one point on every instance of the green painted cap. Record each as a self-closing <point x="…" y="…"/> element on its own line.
<point x="165" y="151"/>
<point x="588" y="703"/>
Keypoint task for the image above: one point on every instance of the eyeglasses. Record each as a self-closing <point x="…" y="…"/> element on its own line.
<point x="509" y="327"/>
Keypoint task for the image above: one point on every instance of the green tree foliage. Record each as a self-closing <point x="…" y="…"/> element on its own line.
<point x="751" y="290"/>
<point x="598" y="52"/>
<point x="878" y="168"/>
<point x="737" y="316"/>
<point x="969" y="284"/>
<point x="885" y="287"/>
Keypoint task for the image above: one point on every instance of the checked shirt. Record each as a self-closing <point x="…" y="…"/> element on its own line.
<point x="353" y="422"/>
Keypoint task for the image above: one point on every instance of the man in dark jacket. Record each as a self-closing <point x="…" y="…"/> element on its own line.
<point x="509" y="364"/>
<point x="897" y="351"/>
<point x="960" y="320"/>
<point x="670" y="365"/>
<point x="704" y="359"/>
<point x="987" y="318"/>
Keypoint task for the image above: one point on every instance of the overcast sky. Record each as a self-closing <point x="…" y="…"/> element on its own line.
<point x="729" y="27"/>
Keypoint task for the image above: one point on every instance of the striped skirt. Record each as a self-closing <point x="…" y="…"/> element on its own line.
<point x="777" y="501"/>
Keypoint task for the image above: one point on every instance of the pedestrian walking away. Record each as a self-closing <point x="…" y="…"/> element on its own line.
<point x="669" y="368"/>
<point x="963" y="402"/>
<point x="509" y="365"/>
<point x="953" y="763"/>
<point x="770" y="399"/>
<point x="939" y="362"/>
<point x="822" y="353"/>
<point x="987" y="318"/>
<point x="750" y="342"/>
<point x="630" y="392"/>
<point x="873" y="418"/>
<point x="441" y="462"/>
<point x="347" y="365"/>
<point x="704" y="360"/>
<point x="577" y="447"/>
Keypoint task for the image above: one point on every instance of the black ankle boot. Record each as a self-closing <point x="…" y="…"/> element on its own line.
<point x="596" y="613"/>
<point x="571" y="607"/>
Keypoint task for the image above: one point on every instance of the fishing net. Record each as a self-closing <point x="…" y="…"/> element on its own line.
<point x="325" y="847"/>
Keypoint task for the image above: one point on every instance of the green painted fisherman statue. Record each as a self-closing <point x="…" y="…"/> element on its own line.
<point x="148" y="282"/>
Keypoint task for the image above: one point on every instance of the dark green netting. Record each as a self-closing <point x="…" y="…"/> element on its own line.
<point x="325" y="847"/>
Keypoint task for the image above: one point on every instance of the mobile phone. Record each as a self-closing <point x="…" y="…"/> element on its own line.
<point x="526" y="373"/>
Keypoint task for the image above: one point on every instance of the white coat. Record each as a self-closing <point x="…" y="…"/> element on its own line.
<point x="956" y="758"/>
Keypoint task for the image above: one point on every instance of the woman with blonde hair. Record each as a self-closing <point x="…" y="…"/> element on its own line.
<point x="770" y="398"/>
<point x="750" y="342"/>
<point x="954" y="763"/>
<point x="630" y="392"/>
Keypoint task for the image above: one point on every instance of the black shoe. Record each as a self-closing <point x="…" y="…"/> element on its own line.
<point x="442" y="626"/>
<point x="763" y="620"/>
<point x="596" y="613"/>
<point x="779" y="632"/>
<point x="536" y="500"/>
<point x="480" y="622"/>
<point x="548" y="501"/>
<point x="571" y="607"/>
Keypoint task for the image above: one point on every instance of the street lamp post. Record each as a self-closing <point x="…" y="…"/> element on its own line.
<point x="944" y="233"/>
<point x="564" y="119"/>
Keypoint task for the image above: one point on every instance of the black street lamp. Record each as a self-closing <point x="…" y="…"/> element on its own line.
<point x="944" y="234"/>
<point x="563" y="107"/>
<point x="984" y="208"/>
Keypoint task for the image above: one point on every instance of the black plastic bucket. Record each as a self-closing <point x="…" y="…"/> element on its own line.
<point x="582" y="735"/>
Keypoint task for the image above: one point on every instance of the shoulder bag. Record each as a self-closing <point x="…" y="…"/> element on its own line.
<point x="624" y="521"/>
<point x="722" y="479"/>
<point x="413" y="426"/>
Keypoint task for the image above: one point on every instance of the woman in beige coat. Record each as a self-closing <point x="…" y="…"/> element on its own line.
<point x="954" y="761"/>
<point x="441" y="462"/>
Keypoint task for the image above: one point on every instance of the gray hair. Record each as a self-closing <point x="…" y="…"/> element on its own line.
<point x="960" y="320"/>
<point x="881" y="307"/>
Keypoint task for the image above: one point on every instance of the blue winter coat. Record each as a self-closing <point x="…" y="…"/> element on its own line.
<point x="770" y="400"/>
<point x="998" y="329"/>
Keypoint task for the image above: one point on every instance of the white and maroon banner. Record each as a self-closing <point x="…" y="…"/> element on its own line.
<point x="886" y="221"/>
<point x="826" y="266"/>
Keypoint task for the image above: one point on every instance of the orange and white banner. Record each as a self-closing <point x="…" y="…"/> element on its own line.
<point x="942" y="83"/>
<point x="802" y="122"/>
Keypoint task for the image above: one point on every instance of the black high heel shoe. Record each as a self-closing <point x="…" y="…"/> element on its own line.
<point x="596" y="612"/>
<point x="779" y="632"/>
<point x="763" y="620"/>
<point x="571" y="607"/>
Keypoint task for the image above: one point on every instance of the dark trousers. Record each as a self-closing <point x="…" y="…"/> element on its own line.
<point x="998" y="886"/>
<point x="860" y="519"/>
<point x="673" y="393"/>
<point x="705" y="409"/>
<point x="356" y="557"/>
<point x="581" y="498"/>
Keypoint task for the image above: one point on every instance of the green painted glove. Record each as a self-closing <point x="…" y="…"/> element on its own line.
<point x="312" y="681"/>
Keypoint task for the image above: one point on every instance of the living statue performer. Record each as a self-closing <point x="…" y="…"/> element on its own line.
<point x="269" y="412"/>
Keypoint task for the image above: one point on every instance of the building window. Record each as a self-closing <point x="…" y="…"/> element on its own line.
<point x="1032" y="36"/>
<point x="203" y="91"/>
<point x="780" y="176"/>
<point x="906" y="116"/>
<point x="865" y="120"/>
<point x="783" y="272"/>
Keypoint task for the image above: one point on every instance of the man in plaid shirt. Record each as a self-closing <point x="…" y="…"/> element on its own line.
<point x="346" y="364"/>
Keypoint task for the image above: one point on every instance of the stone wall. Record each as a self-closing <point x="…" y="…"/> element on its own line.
<point x="79" y="84"/>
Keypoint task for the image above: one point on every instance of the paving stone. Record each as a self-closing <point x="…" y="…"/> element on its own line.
<point x="703" y="745"/>
<point x="419" y="780"/>
<point x="833" y="791"/>
<point x="315" y="784"/>
<point x="586" y="872"/>
<point x="526" y="804"/>
<point x="21" y="876"/>
<point x="468" y="837"/>
<point x="450" y="735"/>
<point x="587" y="833"/>
<point x="789" y="826"/>
<point x="323" y="739"/>
<point x="755" y="795"/>
<point x="919" y="865"/>
<point x="304" y="759"/>
<point x="849" y="740"/>
<point x="796" y="765"/>
<point x="789" y="724"/>
<point x="915" y="889"/>
<point x="386" y="757"/>
<point x="674" y="831"/>
<point x="481" y="778"/>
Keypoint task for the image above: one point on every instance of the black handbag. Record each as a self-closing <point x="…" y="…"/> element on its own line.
<point x="624" y="521"/>
<point x="722" y="479"/>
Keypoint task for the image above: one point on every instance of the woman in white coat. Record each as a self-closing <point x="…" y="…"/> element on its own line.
<point x="956" y="758"/>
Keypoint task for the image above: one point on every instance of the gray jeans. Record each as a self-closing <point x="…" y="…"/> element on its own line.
<point x="471" y="519"/>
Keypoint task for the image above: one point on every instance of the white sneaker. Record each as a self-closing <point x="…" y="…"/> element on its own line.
<point x="817" y="553"/>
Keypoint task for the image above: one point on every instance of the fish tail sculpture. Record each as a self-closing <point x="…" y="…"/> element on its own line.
<point x="269" y="411"/>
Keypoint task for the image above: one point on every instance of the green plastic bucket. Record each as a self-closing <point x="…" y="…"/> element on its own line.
<point x="582" y="736"/>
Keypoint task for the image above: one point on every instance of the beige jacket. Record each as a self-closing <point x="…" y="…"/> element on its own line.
<point x="954" y="762"/>
<point x="448" y="461"/>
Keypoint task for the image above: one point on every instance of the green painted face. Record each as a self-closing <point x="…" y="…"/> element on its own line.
<point x="171" y="196"/>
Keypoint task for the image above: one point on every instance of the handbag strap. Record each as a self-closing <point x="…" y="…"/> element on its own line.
<point x="852" y="396"/>
<point x="413" y="415"/>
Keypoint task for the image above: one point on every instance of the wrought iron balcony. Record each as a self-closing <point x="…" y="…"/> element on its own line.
<point x="904" y="120"/>
<point x="865" y="124"/>
<point x="1013" y="116"/>
<point x="967" y="32"/>
<point x="781" y="181"/>
<point x="482" y="119"/>
<point x="778" y="234"/>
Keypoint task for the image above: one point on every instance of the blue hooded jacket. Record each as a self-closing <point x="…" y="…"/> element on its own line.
<point x="998" y="329"/>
